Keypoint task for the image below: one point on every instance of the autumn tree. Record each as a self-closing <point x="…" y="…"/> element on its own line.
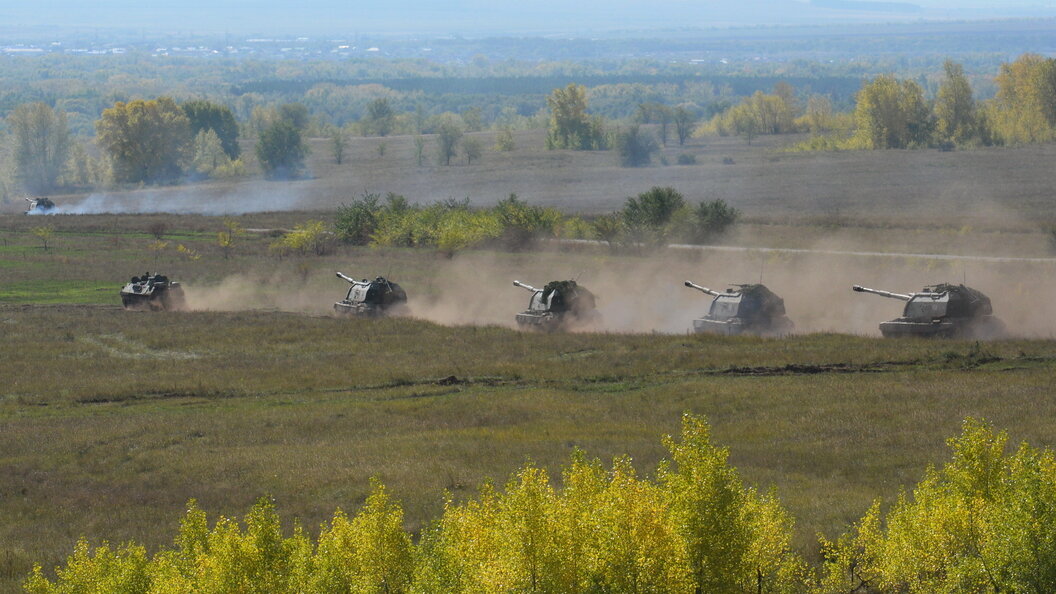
<point x="1024" y="109"/>
<point x="148" y="141"/>
<point x="954" y="106"/>
<point x="40" y="143"/>
<point x="891" y="114"/>
<point x="570" y="126"/>
<point x="206" y="115"/>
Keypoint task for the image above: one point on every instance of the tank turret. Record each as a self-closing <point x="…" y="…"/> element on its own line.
<point x="153" y="292"/>
<point x="557" y="305"/>
<point x="367" y="298"/>
<point x="743" y="309"/>
<point x="945" y="310"/>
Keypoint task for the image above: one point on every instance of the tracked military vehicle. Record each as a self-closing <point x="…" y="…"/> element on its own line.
<point x="944" y="310"/>
<point x="154" y="292"/>
<point x="744" y="309"/>
<point x="371" y="298"/>
<point x="39" y="206"/>
<point x="557" y="305"/>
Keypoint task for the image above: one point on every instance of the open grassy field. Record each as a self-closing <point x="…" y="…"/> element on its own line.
<point x="111" y="420"/>
<point x="985" y="186"/>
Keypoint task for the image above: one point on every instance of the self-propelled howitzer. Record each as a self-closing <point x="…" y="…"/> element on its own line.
<point x="154" y="292"/>
<point x="557" y="305"/>
<point x="743" y="309"/>
<point x="943" y="310"/>
<point x="370" y="298"/>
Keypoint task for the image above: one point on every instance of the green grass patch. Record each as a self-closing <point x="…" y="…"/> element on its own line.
<point x="47" y="291"/>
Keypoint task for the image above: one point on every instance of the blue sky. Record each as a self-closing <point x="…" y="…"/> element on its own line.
<point x="474" y="17"/>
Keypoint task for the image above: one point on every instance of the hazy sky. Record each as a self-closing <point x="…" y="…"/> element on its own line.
<point x="474" y="17"/>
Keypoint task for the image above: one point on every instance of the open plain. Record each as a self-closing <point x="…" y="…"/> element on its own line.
<point x="110" y="421"/>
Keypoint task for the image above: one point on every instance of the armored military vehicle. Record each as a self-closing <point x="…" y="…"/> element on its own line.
<point x="743" y="309"/>
<point x="951" y="311"/>
<point x="371" y="298"/>
<point x="557" y="305"/>
<point x="152" y="291"/>
<point x="39" y="206"/>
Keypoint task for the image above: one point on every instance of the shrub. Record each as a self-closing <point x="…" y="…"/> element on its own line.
<point x="712" y="219"/>
<point x="687" y="159"/>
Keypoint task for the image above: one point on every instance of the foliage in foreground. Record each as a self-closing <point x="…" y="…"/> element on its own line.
<point x="695" y="528"/>
<point x="985" y="522"/>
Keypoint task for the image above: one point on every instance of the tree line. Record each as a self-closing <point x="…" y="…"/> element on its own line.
<point x="162" y="141"/>
<point x="893" y="113"/>
<point x="983" y="522"/>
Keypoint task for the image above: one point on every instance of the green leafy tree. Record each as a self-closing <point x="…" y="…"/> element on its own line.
<point x="208" y="153"/>
<point x="570" y="126"/>
<point x="471" y="149"/>
<point x="380" y="117"/>
<point x="504" y="140"/>
<point x="419" y="149"/>
<point x="295" y="114"/>
<point x="40" y="143"/>
<point x="954" y="106"/>
<point x="206" y="115"/>
<point x="338" y="142"/>
<point x="148" y="141"/>
<point x="448" y="134"/>
<point x="635" y="147"/>
<point x="281" y="151"/>
<point x="685" y="120"/>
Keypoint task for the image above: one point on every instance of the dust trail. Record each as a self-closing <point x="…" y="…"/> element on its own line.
<point x="282" y="290"/>
<point x="173" y="201"/>
<point x="644" y="293"/>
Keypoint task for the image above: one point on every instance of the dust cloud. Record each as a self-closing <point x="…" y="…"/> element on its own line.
<point x="645" y="293"/>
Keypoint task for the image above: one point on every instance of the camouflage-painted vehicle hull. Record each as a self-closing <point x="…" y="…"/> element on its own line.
<point x="547" y="322"/>
<point x="735" y="327"/>
<point x="364" y="310"/>
<point x="986" y="328"/>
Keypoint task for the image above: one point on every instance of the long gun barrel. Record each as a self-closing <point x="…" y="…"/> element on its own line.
<point x="517" y="283"/>
<point x="351" y="280"/>
<point x="711" y="292"/>
<point x="899" y="296"/>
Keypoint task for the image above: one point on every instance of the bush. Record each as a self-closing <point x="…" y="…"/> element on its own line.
<point x="357" y="220"/>
<point x="687" y="159"/>
<point x="650" y="217"/>
<point x="311" y="237"/>
<point x="712" y="219"/>
<point x="635" y="147"/>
